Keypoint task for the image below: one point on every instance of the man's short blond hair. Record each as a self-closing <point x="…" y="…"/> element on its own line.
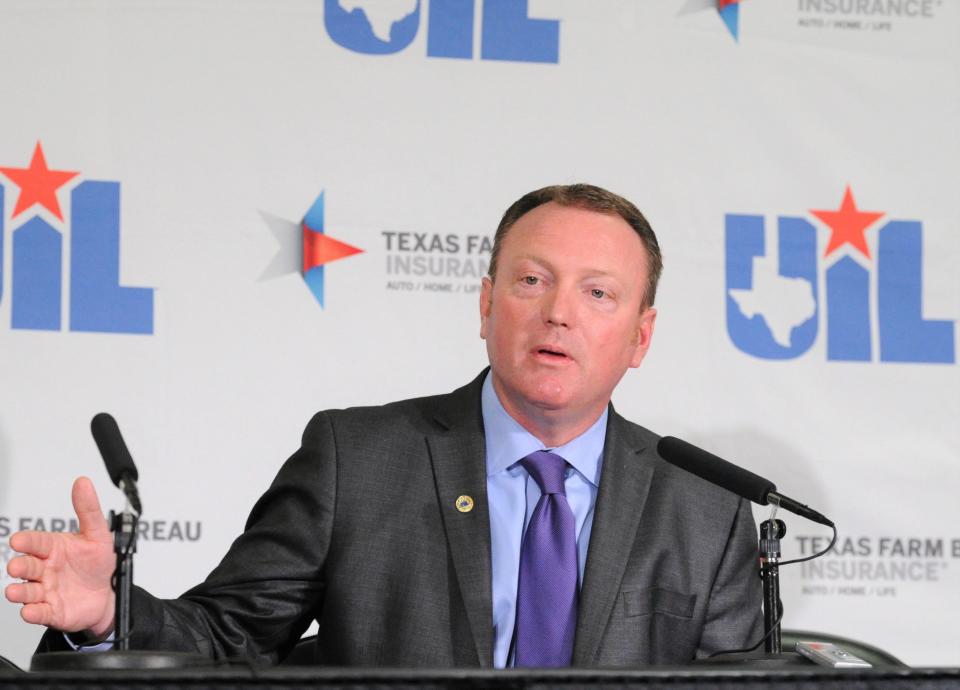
<point x="593" y="198"/>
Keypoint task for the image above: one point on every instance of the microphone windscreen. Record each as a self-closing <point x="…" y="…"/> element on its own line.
<point x="114" y="451"/>
<point x="715" y="470"/>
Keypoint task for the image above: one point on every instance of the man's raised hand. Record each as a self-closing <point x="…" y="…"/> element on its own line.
<point x="67" y="576"/>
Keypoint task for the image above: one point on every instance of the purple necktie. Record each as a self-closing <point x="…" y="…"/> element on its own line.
<point x="547" y="592"/>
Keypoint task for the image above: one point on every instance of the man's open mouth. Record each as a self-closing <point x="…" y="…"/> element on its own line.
<point x="552" y="353"/>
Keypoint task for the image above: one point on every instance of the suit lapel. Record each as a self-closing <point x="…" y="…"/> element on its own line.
<point x="457" y="453"/>
<point x="624" y="484"/>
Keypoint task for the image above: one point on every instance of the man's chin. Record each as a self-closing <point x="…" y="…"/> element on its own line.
<point x="552" y="402"/>
<point x="549" y="407"/>
<point x="546" y="396"/>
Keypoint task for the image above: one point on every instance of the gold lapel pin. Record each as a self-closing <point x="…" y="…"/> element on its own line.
<point x="464" y="503"/>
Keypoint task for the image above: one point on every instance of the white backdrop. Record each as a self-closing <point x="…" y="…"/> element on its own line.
<point x="222" y="123"/>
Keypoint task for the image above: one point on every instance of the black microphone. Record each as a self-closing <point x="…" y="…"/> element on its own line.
<point x="120" y="467"/>
<point x="732" y="478"/>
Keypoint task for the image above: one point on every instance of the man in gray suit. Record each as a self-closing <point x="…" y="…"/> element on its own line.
<point x="403" y="529"/>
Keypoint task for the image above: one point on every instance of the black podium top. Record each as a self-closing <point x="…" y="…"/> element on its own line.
<point x="413" y="679"/>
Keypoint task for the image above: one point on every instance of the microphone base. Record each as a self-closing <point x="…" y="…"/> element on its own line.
<point x="757" y="661"/>
<point x="115" y="660"/>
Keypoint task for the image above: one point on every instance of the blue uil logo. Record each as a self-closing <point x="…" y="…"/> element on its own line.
<point x="773" y="302"/>
<point x="383" y="27"/>
<point x="376" y="28"/>
<point x="97" y="302"/>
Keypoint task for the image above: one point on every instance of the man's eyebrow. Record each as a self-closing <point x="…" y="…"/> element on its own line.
<point x="599" y="273"/>
<point x="589" y="273"/>
<point x="535" y="259"/>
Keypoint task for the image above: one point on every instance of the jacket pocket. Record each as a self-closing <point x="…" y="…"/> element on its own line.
<point x="642" y="602"/>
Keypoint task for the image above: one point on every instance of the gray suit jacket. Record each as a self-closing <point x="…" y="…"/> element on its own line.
<point x="359" y="530"/>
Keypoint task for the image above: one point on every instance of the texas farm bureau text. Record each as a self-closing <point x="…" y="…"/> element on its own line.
<point x="147" y="530"/>
<point x="435" y="262"/>
<point x="873" y="565"/>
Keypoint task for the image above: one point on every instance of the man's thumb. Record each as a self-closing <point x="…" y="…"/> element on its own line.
<point x="87" y="507"/>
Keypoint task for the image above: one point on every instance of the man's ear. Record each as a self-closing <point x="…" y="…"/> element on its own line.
<point x="645" y="323"/>
<point x="486" y="303"/>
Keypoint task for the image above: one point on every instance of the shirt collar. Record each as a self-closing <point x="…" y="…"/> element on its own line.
<point x="508" y="442"/>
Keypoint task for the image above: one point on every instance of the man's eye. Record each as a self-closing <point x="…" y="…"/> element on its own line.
<point x="531" y="280"/>
<point x="598" y="293"/>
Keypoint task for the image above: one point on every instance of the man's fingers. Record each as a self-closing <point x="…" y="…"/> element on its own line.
<point x="87" y="507"/>
<point x="26" y="593"/>
<point x="40" y="614"/>
<point x="26" y="568"/>
<point x="39" y="544"/>
<point x="10" y="593"/>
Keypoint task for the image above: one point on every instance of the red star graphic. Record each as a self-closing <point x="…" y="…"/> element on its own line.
<point x="320" y="249"/>
<point x="847" y="225"/>
<point x="38" y="184"/>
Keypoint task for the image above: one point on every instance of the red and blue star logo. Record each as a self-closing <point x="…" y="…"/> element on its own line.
<point x="315" y="247"/>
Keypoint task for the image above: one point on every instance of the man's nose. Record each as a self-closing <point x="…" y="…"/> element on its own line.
<point x="559" y="307"/>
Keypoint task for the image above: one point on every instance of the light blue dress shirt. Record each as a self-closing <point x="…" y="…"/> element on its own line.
<point x="512" y="496"/>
